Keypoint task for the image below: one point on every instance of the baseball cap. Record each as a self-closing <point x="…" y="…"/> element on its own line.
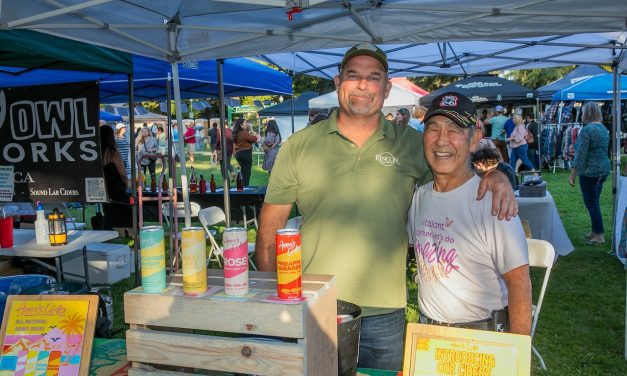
<point x="367" y="49"/>
<point x="454" y="106"/>
<point x="120" y="125"/>
<point x="498" y="108"/>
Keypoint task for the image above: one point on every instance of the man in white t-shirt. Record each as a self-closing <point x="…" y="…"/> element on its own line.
<point x="473" y="269"/>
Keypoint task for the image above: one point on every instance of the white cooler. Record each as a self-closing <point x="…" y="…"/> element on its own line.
<point x="108" y="263"/>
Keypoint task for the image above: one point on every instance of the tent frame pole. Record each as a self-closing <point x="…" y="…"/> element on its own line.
<point x="133" y="185"/>
<point x="225" y="171"/>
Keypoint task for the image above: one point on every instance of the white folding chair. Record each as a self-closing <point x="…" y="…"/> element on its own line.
<point x="212" y="216"/>
<point x="542" y="255"/>
<point x="180" y="210"/>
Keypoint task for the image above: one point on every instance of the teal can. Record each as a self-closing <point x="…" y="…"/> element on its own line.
<point x="152" y="252"/>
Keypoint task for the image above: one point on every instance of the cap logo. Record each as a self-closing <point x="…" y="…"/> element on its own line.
<point x="449" y="101"/>
<point x="366" y="46"/>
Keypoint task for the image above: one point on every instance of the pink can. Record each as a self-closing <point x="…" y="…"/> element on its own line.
<point x="235" y="261"/>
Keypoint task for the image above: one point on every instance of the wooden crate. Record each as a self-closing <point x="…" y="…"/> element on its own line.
<point x="162" y="330"/>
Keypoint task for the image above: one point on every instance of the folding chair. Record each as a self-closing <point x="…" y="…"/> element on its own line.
<point x="212" y="216"/>
<point x="180" y="210"/>
<point x="542" y="255"/>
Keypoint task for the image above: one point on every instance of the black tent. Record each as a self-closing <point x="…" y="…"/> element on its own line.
<point x="486" y="90"/>
<point x="545" y="93"/>
<point x="301" y="106"/>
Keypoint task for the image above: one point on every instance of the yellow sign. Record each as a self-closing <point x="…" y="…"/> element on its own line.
<point x="441" y="350"/>
<point x="47" y="334"/>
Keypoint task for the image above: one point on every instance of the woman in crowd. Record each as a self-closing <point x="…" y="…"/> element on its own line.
<point x="518" y="143"/>
<point x="487" y="157"/>
<point x="123" y="145"/>
<point x="402" y="116"/>
<point x="162" y="137"/>
<point x="117" y="212"/>
<point x="592" y="165"/>
<point x="271" y="145"/>
<point x="190" y="140"/>
<point x="146" y="144"/>
<point x="243" y="140"/>
<point x="226" y="169"/>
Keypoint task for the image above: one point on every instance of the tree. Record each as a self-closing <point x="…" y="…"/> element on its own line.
<point x="535" y="78"/>
<point x="302" y="83"/>
<point x="432" y="83"/>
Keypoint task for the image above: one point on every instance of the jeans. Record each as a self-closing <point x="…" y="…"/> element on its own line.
<point x="520" y="152"/>
<point x="534" y="157"/>
<point x="245" y="160"/>
<point x="591" y="187"/>
<point x="381" y="341"/>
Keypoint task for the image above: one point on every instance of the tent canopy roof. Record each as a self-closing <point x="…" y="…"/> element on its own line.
<point x="485" y="89"/>
<point x="198" y="30"/>
<point x="581" y="72"/>
<point x="31" y="50"/>
<point x="595" y="88"/>
<point x="301" y="106"/>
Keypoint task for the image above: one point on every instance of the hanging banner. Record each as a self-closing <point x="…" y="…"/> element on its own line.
<point x="49" y="134"/>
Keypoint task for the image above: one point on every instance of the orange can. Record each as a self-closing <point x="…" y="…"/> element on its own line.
<point x="289" y="264"/>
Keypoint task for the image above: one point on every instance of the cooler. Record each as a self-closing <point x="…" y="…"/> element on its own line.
<point x="108" y="263"/>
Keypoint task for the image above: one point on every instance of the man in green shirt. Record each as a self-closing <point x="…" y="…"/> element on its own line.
<point x="352" y="177"/>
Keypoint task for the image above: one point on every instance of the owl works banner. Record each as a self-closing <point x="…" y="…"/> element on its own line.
<point x="49" y="134"/>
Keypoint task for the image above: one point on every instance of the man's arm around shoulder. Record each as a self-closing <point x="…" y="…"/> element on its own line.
<point x="503" y="200"/>
<point x="272" y="218"/>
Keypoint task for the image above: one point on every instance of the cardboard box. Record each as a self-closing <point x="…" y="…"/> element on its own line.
<point x="108" y="263"/>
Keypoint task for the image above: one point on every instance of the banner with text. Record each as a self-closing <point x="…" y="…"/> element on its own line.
<point x="50" y="136"/>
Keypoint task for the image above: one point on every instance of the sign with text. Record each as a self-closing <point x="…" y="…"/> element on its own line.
<point x="50" y="136"/>
<point x="442" y="350"/>
<point x="6" y="183"/>
<point x="48" y="334"/>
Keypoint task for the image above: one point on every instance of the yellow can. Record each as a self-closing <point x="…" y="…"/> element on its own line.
<point x="194" y="256"/>
<point x="289" y="268"/>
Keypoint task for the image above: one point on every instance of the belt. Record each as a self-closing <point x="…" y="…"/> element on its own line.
<point x="499" y="321"/>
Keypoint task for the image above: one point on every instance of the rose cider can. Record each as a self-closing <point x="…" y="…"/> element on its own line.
<point x="288" y="264"/>
<point x="235" y="254"/>
<point x="152" y="256"/>
<point x="194" y="256"/>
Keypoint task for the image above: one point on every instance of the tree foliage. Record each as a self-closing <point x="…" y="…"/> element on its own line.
<point x="535" y="78"/>
<point x="432" y="83"/>
<point x="302" y="83"/>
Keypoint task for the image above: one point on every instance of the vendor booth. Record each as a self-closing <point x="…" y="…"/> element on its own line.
<point x="292" y="115"/>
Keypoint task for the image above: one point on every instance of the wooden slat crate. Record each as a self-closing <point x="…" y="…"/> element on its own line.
<point x="163" y="337"/>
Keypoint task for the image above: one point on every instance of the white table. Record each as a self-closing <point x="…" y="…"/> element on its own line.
<point x="545" y="222"/>
<point x="25" y="245"/>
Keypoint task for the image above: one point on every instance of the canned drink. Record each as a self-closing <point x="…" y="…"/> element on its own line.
<point x="152" y="251"/>
<point x="235" y="261"/>
<point x="288" y="264"/>
<point x="194" y="256"/>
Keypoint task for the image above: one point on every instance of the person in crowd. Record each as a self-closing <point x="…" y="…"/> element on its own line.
<point x="487" y="158"/>
<point x="483" y="282"/>
<point x="532" y="128"/>
<point x="271" y="144"/>
<point x="226" y="169"/>
<point x="497" y="124"/>
<point x="352" y="177"/>
<point x="389" y="116"/>
<point x="123" y="145"/>
<point x="190" y="140"/>
<point x="213" y="139"/>
<point x="200" y="137"/>
<point x="487" y="128"/>
<point x="592" y="165"/>
<point x="417" y="121"/>
<point x="518" y="143"/>
<point x="175" y="140"/>
<point x="317" y="114"/>
<point x="162" y="137"/>
<point x="402" y="116"/>
<point x="146" y="144"/>
<point x="243" y="140"/>
<point x="117" y="212"/>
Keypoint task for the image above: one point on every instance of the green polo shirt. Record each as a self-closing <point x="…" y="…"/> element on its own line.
<point x="354" y="202"/>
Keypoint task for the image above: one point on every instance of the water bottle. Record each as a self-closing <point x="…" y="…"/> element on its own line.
<point x="41" y="226"/>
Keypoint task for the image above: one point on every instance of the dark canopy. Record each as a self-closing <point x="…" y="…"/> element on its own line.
<point x="545" y="93"/>
<point x="32" y="50"/>
<point x="486" y="90"/>
<point x="301" y="106"/>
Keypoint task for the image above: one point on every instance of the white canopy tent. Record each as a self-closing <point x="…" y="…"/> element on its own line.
<point x="399" y="97"/>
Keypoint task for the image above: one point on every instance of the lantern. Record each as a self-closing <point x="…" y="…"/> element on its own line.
<point x="57" y="229"/>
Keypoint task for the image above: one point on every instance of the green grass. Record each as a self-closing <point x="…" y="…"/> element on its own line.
<point x="581" y="326"/>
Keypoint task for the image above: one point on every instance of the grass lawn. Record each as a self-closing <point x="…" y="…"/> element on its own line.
<point x="581" y="328"/>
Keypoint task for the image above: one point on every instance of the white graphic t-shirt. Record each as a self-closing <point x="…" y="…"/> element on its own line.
<point x="462" y="251"/>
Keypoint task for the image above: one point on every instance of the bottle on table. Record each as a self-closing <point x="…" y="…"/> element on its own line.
<point x="202" y="184"/>
<point x="212" y="184"/>
<point x="239" y="181"/>
<point x="41" y="225"/>
<point x="193" y="185"/>
<point x="164" y="183"/>
<point x="153" y="183"/>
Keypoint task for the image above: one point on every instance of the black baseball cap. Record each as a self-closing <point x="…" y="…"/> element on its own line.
<point x="454" y="106"/>
<point x="367" y="49"/>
